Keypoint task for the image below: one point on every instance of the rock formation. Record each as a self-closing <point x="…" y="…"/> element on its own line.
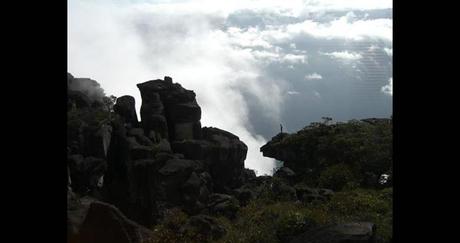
<point x="126" y="176"/>
<point x="164" y="160"/>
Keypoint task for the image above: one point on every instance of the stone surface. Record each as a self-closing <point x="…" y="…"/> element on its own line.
<point x="104" y="223"/>
<point x="126" y="108"/>
<point x="339" y="233"/>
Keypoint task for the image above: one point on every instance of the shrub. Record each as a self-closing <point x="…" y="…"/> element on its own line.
<point x="336" y="177"/>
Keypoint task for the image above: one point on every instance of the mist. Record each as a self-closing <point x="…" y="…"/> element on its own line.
<point x="253" y="64"/>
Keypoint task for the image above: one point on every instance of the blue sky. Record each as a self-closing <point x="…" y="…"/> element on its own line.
<point x="253" y="64"/>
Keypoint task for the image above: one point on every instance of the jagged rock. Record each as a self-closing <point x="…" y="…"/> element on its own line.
<point x="339" y="233"/>
<point x="247" y="175"/>
<point x="192" y="149"/>
<point x="188" y="112"/>
<point x="77" y="209"/>
<point x="205" y="225"/>
<point x="141" y="139"/>
<point x="174" y="174"/>
<point x="164" y="146"/>
<point x="194" y="192"/>
<point x="85" y="172"/>
<point x="105" y="223"/>
<point x="175" y="104"/>
<point x="286" y="174"/>
<point x="131" y="177"/>
<point x="283" y="191"/>
<point x="222" y="151"/>
<point x="126" y="108"/>
<point x="223" y="204"/>
<point x="226" y="157"/>
<point x="143" y="188"/>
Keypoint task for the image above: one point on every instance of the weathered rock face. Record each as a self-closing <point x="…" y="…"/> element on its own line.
<point x="131" y="181"/>
<point x="166" y="160"/>
<point x="340" y="233"/>
<point x="126" y="108"/>
<point x="275" y="149"/>
<point x="223" y="204"/>
<point x="105" y="223"/>
<point x="85" y="172"/>
<point x="222" y="152"/>
<point x="169" y="110"/>
<point x="285" y="173"/>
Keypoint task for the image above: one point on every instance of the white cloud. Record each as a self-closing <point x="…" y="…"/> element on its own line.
<point x="344" y="55"/>
<point x="388" y="89"/>
<point x="131" y="45"/>
<point x="388" y="51"/>
<point x="342" y="28"/>
<point x="293" y="92"/>
<point x="317" y="94"/>
<point x="292" y="58"/>
<point x="268" y="56"/>
<point x="313" y="76"/>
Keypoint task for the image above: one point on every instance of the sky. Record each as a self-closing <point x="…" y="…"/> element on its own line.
<point x="253" y="64"/>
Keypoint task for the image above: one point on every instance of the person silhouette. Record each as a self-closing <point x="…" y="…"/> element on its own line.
<point x="281" y="127"/>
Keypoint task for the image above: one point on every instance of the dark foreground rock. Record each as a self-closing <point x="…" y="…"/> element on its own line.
<point x="104" y="223"/>
<point x="340" y="233"/>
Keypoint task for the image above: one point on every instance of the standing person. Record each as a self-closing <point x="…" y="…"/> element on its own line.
<point x="281" y="127"/>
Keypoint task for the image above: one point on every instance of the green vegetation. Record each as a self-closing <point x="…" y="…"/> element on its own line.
<point x="271" y="221"/>
<point x="359" y="148"/>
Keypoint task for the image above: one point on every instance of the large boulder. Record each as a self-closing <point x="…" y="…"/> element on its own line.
<point x="223" y="204"/>
<point x="286" y="174"/>
<point x="340" y="233"/>
<point x="170" y="110"/>
<point x="105" y="223"/>
<point x="175" y="177"/>
<point x="222" y="152"/>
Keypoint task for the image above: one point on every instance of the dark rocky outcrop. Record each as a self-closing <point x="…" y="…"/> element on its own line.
<point x="104" y="223"/>
<point x="222" y="152"/>
<point x="167" y="162"/>
<point x="126" y="108"/>
<point x="85" y="172"/>
<point x="169" y="110"/>
<point x="223" y="204"/>
<point x="340" y="233"/>
<point x="358" y="151"/>
<point x="285" y="174"/>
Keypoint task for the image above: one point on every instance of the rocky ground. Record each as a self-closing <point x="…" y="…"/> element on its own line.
<point x="165" y="178"/>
